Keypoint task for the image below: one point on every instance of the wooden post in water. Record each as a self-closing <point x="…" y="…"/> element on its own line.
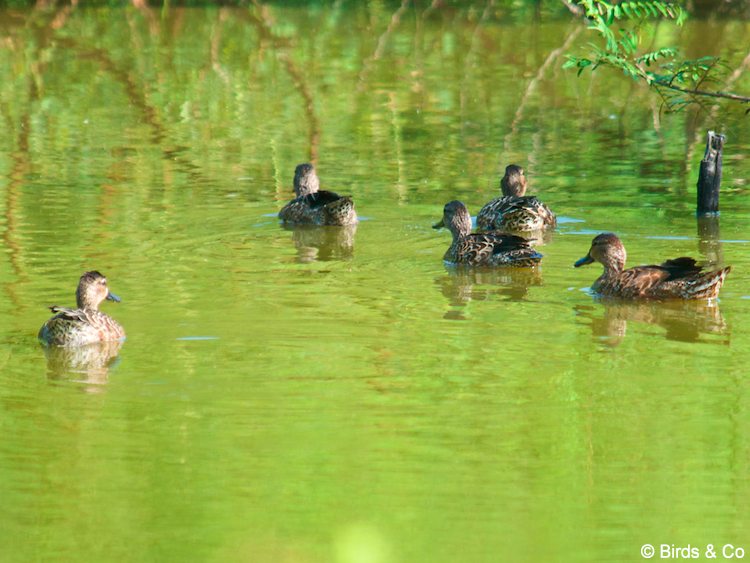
<point x="709" y="180"/>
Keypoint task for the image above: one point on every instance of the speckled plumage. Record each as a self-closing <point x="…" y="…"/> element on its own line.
<point x="85" y="324"/>
<point x="514" y="211"/>
<point x="486" y="249"/>
<point x="313" y="206"/>
<point x="678" y="278"/>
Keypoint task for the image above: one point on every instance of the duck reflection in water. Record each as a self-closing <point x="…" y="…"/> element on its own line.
<point x="683" y="321"/>
<point x="323" y="244"/>
<point x="84" y="364"/>
<point x="460" y="286"/>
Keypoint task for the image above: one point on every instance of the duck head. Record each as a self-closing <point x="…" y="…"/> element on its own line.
<point x="456" y="218"/>
<point x="92" y="290"/>
<point x="606" y="249"/>
<point x="514" y="181"/>
<point x="305" y="180"/>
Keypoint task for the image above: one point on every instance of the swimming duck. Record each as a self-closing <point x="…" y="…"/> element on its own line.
<point x="680" y="277"/>
<point x="485" y="249"/>
<point x="514" y="211"/>
<point x="86" y="324"/>
<point x="313" y="206"/>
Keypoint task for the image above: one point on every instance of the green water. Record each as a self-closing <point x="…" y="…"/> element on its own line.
<point x="343" y="396"/>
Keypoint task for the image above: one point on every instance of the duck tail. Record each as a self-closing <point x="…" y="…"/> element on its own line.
<point x="707" y="286"/>
<point x="340" y="212"/>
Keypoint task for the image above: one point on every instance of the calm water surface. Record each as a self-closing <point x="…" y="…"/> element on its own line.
<point x="329" y="395"/>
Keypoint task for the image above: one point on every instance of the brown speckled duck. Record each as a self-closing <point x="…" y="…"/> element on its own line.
<point x="679" y="278"/>
<point x="514" y="211"/>
<point x="486" y="249"/>
<point x="313" y="206"/>
<point x="86" y="324"/>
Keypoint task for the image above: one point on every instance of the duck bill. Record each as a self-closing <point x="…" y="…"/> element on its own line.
<point x="439" y="225"/>
<point x="583" y="261"/>
<point x="112" y="297"/>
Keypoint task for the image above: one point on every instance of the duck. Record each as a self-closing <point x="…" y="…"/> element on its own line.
<point x="679" y="278"/>
<point x="483" y="249"/>
<point x="85" y="324"/>
<point x="313" y="206"/>
<point x="515" y="211"/>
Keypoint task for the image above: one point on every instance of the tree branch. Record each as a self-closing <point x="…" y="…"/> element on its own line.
<point x="696" y="92"/>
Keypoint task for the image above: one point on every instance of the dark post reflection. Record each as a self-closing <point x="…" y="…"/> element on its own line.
<point x="709" y="239"/>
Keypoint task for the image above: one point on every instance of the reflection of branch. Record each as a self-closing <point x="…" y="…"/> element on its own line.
<point x="472" y="50"/>
<point x="707" y="93"/>
<point x="431" y="8"/>
<point x="262" y="21"/>
<point x="17" y="174"/>
<point x="138" y="100"/>
<point x="132" y="90"/>
<point x="215" y="44"/>
<point x="20" y="157"/>
<point x="554" y="54"/>
<point x="698" y="133"/>
<point x="738" y="72"/>
<point x="397" y="143"/>
<point x="62" y="15"/>
<point x="575" y="9"/>
<point x="395" y="19"/>
<point x="304" y="91"/>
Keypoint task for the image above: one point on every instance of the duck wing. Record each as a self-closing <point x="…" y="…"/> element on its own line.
<point x="682" y="267"/>
<point x="506" y="242"/>
<point x="522" y="213"/>
<point x="481" y="247"/>
<point x="305" y="209"/>
<point x="646" y="277"/>
<point x="493" y="210"/>
<point x="645" y="281"/>
<point x="320" y="198"/>
<point x="68" y="314"/>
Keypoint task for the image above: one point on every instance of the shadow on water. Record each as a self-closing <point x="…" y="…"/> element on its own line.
<point x="461" y="286"/>
<point x="82" y="364"/>
<point x="683" y="321"/>
<point x="314" y="243"/>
